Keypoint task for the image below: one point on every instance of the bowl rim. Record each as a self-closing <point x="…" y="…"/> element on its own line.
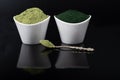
<point x="31" y="24"/>
<point x="73" y="23"/>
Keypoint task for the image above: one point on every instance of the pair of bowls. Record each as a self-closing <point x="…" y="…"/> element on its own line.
<point x="70" y="33"/>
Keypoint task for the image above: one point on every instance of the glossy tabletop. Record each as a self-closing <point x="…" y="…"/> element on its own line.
<point x="21" y="61"/>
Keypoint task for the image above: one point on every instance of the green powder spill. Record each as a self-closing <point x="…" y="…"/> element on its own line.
<point x="72" y="16"/>
<point x="31" y="16"/>
<point x="47" y="43"/>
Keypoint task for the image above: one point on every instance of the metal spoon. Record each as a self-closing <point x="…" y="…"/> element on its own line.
<point x="49" y="44"/>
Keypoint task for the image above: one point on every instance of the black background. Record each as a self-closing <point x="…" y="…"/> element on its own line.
<point x="102" y="11"/>
<point x="103" y="34"/>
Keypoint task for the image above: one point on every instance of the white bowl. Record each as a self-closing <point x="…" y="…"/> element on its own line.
<point x="32" y="33"/>
<point x="72" y="33"/>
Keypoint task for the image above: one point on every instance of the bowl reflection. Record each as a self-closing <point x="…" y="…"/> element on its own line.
<point x="33" y="56"/>
<point x="72" y="59"/>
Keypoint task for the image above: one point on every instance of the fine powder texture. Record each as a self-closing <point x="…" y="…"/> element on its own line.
<point x="31" y="16"/>
<point x="47" y="43"/>
<point x="72" y="16"/>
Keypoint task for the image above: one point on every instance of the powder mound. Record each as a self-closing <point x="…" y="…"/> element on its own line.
<point x="72" y="16"/>
<point x="31" y="16"/>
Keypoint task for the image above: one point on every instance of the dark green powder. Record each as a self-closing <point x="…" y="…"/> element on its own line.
<point x="72" y="16"/>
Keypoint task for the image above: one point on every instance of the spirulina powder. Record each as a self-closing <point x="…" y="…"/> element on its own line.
<point x="72" y="16"/>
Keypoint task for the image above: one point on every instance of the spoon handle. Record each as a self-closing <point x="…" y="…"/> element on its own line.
<point x="77" y="48"/>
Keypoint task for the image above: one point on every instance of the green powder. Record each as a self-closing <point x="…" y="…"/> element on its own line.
<point x="47" y="43"/>
<point x="31" y="16"/>
<point x="72" y="16"/>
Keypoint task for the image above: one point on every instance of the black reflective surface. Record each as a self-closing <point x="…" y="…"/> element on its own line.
<point x="22" y="61"/>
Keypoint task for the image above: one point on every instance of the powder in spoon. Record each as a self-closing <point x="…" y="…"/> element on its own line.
<point x="31" y="16"/>
<point x="47" y="43"/>
<point x="72" y="16"/>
